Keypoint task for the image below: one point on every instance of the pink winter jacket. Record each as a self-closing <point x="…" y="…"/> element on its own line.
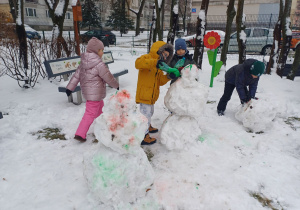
<point x="93" y="75"/>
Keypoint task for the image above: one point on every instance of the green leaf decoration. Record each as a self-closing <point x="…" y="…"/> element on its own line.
<point x="218" y="66"/>
<point x="210" y="54"/>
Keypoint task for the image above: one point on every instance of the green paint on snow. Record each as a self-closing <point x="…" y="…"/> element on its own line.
<point x="108" y="172"/>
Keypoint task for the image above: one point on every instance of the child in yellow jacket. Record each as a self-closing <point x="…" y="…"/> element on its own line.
<point x="150" y="78"/>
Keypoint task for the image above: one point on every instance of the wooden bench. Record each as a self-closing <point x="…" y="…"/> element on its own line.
<point x="65" y="66"/>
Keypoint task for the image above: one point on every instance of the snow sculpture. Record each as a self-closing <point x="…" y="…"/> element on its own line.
<point x="119" y="172"/>
<point x="186" y="99"/>
<point x="256" y="115"/>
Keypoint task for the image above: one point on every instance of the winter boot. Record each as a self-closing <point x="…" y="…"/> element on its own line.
<point x="220" y="112"/>
<point x="79" y="138"/>
<point x="148" y="140"/>
<point x="152" y="130"/>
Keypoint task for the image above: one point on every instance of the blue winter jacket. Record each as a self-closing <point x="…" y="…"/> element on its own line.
<point x="239" y="75"/>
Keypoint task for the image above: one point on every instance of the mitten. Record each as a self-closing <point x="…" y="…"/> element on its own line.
<point x="174" y="71"/>
<point x="172" y="76"/>
<point x="162" y="65"/>
<point x="68" y="92"/>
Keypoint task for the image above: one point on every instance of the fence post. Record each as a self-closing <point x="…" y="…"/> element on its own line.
<point x="44" y="36"/>
<point x="270" y="20"/>
<point x="133" y="41"/>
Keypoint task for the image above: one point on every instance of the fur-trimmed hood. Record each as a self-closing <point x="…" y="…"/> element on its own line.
<point x="169" y="48"/>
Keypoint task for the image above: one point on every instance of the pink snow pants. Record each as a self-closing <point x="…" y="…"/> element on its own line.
<point x="93" y="109"/>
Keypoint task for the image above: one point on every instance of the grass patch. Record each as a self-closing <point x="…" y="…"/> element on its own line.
<point x="149" y="154"/>
<point x="291" y="122"/>
<point x="265" y="202"/>
<point x="211" y="102"/>
<point x="50" y="134"/>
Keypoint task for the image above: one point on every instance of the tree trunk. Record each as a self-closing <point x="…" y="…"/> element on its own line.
<point x="295" y="65"/>
<point x="230" y="16"/>
<point x="157" y="23"/>
<point x="201" y="27"/>
<point x="173" y="23"/>
<point x="240" y="29"/>
<point x="286" y="37"/>
<point x="184" y="16"/>
<point x="162" y="18"/>
<point x="58" y="23"/>
<point x="276" y="41"/>
<point x="138" y="17"/>
<point x="16" y="6"/>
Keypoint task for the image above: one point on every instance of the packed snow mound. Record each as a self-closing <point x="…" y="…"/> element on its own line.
<point x="114" y="178"/>
<point x="121" y="127"/>
<point x="187" y="96"/>
<point x="183" y="137"/>
<point x="257" y="115"/>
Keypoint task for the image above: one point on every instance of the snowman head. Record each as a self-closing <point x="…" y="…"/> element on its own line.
<point x="190" y="74"/>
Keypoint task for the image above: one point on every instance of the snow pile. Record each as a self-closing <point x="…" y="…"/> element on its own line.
<point x="186" y="99"/>
<point x="257" y="115"/>
<point x="119" y="172"/>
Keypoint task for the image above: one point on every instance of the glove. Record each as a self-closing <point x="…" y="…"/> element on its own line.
<point x="162" y="65"/>
<point x="68" y="92"/>
<point x="174" y="71"/>
<point x="180" y="63"/>
<point x="172" y="76"/>
<point x="117" y="88"/>
<point x="244" y="101"/>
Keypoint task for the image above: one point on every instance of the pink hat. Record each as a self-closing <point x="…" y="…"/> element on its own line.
<point x="94" y="45"/>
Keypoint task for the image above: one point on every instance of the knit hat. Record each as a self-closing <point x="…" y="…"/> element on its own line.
<point x="94" y="45"/>
<point x="180" y="44"/>
<point x="257" y="68"/>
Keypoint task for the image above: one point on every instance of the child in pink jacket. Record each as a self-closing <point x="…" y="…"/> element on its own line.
<point x="93" y="74"/>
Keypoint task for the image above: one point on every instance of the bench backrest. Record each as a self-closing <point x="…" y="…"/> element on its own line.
<point x="64" y="66"/>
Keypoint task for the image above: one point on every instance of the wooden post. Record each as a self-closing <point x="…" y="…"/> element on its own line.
<point x="77" y="17"/>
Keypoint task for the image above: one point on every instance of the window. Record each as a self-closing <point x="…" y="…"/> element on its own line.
<point x="260" y="32"/>
<point x="30" y="12"/>
<point x="68" y="15"/>
<point x="47" y="14"/>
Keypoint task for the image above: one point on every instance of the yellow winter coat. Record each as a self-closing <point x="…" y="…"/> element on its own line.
<point x="150" y="78"/>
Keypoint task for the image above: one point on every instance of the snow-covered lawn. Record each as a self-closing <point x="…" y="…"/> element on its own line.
<point x="228" y="168"/>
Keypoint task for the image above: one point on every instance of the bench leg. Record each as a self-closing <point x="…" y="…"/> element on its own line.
<point x="79" y="97"/>
<point x="70" y="98"/>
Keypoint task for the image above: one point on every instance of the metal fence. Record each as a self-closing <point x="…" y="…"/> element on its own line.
<point x="218" y="22"/>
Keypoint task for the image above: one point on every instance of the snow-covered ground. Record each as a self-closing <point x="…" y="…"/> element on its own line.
<point x="227" y="168"/>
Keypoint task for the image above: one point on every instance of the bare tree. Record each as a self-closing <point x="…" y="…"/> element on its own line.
<point x="138" y="15"/>
<point x="277" y="37"/>
<point x="230" y="16"/>
<point x="173" y="21"/>
<point x="156" y="31"/>
<point x="241" y="35"/>
<point x="201" y="27"/>
<point x="183" y="7"/>
<point x="57" y="11"/>
<point x="295" y="65"/>
<point x="17" y="11"/>
<point x="286" y="37"/>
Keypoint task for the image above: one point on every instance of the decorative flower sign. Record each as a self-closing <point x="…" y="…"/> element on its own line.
<point x="212" y="41"/>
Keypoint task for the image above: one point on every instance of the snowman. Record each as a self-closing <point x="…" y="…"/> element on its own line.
<point x="119" y="171"/>
<point x="186" y="100"/>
